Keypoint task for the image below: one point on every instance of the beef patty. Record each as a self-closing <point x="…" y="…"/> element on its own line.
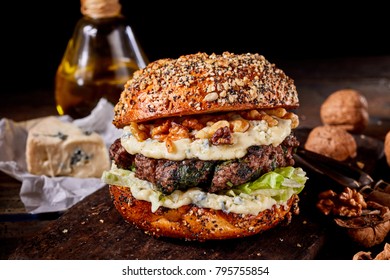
<point x="212" y="176"/>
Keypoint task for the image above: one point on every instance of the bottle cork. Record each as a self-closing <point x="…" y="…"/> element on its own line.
<point x="100" y="8"/>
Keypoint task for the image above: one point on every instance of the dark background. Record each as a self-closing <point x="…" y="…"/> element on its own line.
<point x="35" y="33"/>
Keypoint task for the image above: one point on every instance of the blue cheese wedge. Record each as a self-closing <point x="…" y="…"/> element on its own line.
<point x="56" y="148"/>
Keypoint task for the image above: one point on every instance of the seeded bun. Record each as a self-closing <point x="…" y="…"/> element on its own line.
<point x="193" y="223"/>
<point x="201" y="83"/>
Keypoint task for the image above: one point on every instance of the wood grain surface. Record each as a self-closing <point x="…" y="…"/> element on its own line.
<point x="93" y="229"/>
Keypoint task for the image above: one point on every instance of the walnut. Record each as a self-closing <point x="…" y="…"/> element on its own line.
<point x="326" y="204"/>
<point x="384" y="255"/>
<point x="222" y="136"/>
<point x="387" y="148"/>
<point x="349" y="203"/>
<point x="239" y="125"/>
<point x="160" y="129"/>
<point x="137" y="132"/>
<point x="331" y="141"/>
<point x="346" y="108"/>
<point x="369" y="229"/>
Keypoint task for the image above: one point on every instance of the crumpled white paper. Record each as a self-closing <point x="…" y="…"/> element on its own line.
<point x="42" y="194"/>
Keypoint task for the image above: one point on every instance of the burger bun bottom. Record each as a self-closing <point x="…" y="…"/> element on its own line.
<point x="191" y="222"/>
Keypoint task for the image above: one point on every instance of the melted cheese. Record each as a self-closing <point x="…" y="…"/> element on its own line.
<point x="144" y="190"/>
<point x="259" y="133"/>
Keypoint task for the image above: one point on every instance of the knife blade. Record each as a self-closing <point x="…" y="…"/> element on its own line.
<point x="345" y="175"/>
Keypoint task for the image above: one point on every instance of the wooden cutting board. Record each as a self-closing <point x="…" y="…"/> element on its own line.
<point x="93" y="229"/>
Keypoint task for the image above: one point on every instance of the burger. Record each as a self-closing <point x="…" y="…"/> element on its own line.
<point x="207" y="147"/>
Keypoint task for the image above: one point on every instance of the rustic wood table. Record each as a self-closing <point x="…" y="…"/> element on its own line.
<point x="92" y="229"/>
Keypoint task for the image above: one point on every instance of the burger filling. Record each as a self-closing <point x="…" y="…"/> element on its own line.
<point x="211" y="175"/>
<point x="238" y="159"/>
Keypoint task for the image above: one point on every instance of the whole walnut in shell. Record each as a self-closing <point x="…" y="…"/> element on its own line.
<point x="346" y="108"/>
<point x="331" y="141"/>
<point x="387" y="147"/>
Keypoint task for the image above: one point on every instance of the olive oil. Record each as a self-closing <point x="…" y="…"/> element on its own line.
<point x="77" y="94"/>
<point x="100" y="57"/>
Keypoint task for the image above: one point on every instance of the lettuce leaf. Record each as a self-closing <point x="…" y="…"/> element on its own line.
<point x="280" y="184"/>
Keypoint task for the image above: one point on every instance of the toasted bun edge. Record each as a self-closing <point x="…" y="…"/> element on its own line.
<point x="201" y="83"/>
<point x="190" y="222"/>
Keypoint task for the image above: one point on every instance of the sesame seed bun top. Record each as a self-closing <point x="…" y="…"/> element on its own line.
<point x="201" y="83"/>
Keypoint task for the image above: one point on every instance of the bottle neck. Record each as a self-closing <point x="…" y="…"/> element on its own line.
<point x="100" y="8"/>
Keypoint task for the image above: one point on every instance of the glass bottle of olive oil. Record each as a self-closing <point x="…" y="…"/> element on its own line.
<point x="101" y="56"/>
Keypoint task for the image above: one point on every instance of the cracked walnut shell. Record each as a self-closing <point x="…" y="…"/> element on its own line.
<point x="384" y="255"/>
<point x="369" y="229"/>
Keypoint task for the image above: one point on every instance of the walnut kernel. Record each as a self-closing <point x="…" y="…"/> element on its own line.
<point x="349" y="203"/>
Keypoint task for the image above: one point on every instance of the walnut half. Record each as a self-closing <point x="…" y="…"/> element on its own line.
<point x="349" y="203"/>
